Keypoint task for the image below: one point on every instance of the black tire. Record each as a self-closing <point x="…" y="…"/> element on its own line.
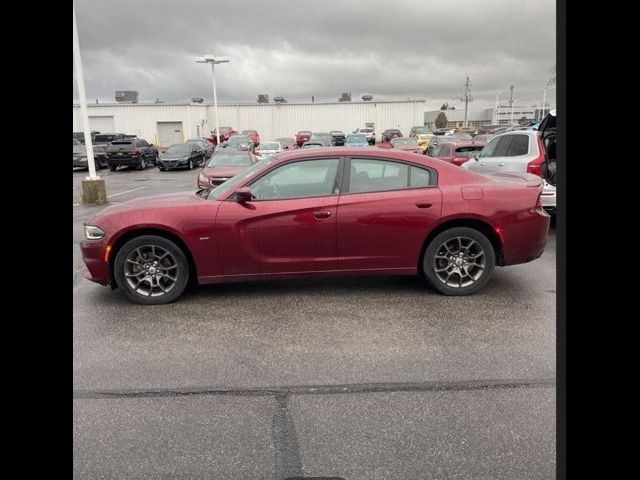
<point x="447" y="258"/>
<point x="190" y="165"/>
<point x="161" y="169"/>
<point x="142" y="163"/>
<point x="143" y="244"/>
<point x="113" y="168"/>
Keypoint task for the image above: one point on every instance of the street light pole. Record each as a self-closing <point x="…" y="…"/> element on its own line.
<point x="213" y="61"/>
<point x="94" y="190"/>
<point x="497" y="109"/>
<point x="83" y="101"/>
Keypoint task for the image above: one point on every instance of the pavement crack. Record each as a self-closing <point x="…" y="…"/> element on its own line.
<point x="383" y="387"/>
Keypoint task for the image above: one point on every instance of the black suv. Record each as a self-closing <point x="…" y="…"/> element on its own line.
<point x="131" y="152"/>
<point x="390" y="133"/>
<point x="338" y="137"/>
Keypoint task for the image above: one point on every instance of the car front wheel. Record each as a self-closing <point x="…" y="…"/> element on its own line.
<point x="459" y="261"/>
<point x="151" y="270"/>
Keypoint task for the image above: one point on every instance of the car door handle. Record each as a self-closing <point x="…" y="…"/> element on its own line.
<point x="322" y="214"/>
<point x="423" y="204"/>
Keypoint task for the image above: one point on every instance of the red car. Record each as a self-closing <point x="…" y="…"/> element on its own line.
<point x="223" y="165"/>
<point x="322" y="212"/>
<point x="225" y="133"/>
<point x="253" y="134"/>
<point x="302" y="136"/>
<point x="457" y="152"/>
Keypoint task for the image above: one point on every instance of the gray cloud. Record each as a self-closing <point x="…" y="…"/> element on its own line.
<point x="392" y="50"/>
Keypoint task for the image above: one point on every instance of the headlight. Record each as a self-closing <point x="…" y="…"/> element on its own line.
<point x="92" y="232"/>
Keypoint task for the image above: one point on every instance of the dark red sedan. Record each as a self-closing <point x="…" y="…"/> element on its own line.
<point x="223" y="165"/>
<point x="322" y="212"/>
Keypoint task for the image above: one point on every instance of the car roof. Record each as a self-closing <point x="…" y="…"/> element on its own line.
<point x="231" y="152"/>
<point x="387" y="153"/>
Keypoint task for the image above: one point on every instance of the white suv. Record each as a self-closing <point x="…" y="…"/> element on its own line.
<point x="521" y="151"/>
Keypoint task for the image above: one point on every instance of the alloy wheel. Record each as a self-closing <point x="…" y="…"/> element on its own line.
<point x="459" y="262"/>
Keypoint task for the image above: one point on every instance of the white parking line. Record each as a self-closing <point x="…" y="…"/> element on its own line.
<point x="126" y="191"/>
<point x="116" y="194"/>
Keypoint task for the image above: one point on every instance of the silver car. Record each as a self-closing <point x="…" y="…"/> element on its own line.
<point x="516" y="151"/>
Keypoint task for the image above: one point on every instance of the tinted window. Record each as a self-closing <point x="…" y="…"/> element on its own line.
<point x="310" y="178"/>
<point x="443" y="151"/>
<point x="497" y="147"/>
<point x="519" y="146"/>
<point x="503" y="146"/>
<point x="377" y="175"/>
<point x="104" y="138"/>
<point x="419" y="177"/>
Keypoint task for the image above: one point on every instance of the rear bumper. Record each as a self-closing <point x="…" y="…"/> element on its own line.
<point x="93" y="255"/>
<point x="525" y="239"/>
<point x="123" y="161"/>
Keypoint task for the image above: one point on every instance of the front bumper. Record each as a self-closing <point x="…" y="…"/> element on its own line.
<point x="93" y="254"/>
<point x="169" y="164"/>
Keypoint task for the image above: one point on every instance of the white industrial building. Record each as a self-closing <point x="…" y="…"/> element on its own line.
<point x="166" y="123"/>
<point x="506" y="115"/>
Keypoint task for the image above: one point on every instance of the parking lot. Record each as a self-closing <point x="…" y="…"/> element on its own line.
<point x="364" y="377"/>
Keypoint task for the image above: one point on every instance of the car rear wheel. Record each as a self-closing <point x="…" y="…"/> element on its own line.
<point x="459" y="261"/>
<point x="190" y="164"/>
<point x="151" y="270"/>
<point x="142" y="164"/>
<point x="113" y="168"/>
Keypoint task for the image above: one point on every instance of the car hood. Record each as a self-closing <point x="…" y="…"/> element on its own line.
<point x="222" y="171"/>
<point x="150" y="202"/>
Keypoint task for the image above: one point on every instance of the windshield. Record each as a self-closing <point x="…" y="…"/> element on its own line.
<point x="421" y="130"/>
<point x="104" y="138"/>
<point x="222" y="160"/>
<point x="356" y="139"/>
<point x="269" y="146"/>
<point x="239" y="139"/>
<point x="179" y="148"/>
<point x="243" y="175"/>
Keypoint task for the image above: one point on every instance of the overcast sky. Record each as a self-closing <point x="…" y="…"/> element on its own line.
<point x="297" y="48"/>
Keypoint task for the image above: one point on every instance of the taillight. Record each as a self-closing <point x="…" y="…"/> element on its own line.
<point x="535" y="165"/>
<point x="135" y="151"/>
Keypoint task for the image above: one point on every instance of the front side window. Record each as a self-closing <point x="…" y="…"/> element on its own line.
<point x="443" y="151"/>
<point x="308" y="178"/>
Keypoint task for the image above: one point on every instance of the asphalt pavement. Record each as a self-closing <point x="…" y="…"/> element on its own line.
<point x="364" y="377"/>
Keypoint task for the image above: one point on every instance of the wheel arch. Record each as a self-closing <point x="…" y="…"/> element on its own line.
<point x="160" y="232"/>
<point x="481" y="225"/>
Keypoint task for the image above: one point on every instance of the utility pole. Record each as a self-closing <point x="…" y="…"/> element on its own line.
<point x="511" y="103"/>
<point x="497" y="109"/>
<point x="466" y="98"/>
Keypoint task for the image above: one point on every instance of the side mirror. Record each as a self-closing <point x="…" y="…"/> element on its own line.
<point x="244" y="195"/>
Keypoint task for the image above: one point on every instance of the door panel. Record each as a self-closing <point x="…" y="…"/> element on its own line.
<point x="385" y="229"/>
<point x="274" y="236"/>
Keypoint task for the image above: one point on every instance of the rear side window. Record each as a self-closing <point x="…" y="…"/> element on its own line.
<point x="419" y="177"/>
<point x="519" y="146"/>
<point x="368" y="175"/>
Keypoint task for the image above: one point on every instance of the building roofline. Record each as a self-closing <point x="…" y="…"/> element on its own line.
<point x="181" y="104"/>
